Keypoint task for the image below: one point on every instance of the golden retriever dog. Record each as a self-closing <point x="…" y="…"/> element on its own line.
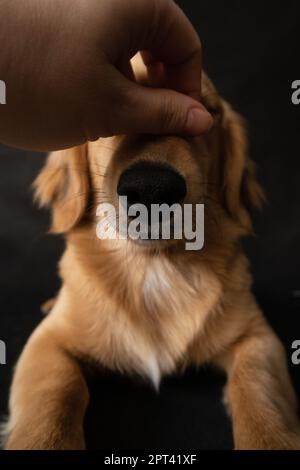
<point x="153" y="308"/>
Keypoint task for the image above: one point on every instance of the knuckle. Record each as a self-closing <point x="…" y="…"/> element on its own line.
<point x="172" y="115"/>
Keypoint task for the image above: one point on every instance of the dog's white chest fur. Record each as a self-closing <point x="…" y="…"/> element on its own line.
<point x="172" y="318"/>
<point x="169" y="306"/>
<point x="145" y="345"/>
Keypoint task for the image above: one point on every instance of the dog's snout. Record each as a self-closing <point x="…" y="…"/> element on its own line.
<point x="151" y="183"/>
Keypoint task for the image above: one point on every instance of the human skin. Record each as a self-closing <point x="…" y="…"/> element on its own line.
<point x="67" y="70"/>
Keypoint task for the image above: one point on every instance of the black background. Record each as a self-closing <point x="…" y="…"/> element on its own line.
<point x="251" y="52"/>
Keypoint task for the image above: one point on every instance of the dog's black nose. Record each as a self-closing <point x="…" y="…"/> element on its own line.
<point x="151" y="183"/>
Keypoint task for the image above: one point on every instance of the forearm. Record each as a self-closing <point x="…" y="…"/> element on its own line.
<point x="259" y="393"/>
<point x="49" y="397"/>
<point x="64" y="64"/>
<point x="31" y="67"/>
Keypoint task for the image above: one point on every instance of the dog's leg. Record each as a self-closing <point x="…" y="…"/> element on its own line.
<point x="48" y="397"/>
<point x="259" y="392"/>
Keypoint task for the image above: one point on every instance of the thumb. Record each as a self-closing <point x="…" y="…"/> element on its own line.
<point x="161" y="111"/>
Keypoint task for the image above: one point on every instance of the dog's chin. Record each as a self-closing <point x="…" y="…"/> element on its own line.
<point x="156" y="245"/>
<point x="148" y="243"/>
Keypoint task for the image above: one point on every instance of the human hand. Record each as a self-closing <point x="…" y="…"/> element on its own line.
<point x="66" y="68"/>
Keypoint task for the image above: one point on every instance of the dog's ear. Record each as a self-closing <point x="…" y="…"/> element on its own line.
<point x="241" y="190"/>
<point x="63" y="185"/>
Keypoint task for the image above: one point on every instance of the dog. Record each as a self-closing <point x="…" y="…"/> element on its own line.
<point x="153" y="308"/>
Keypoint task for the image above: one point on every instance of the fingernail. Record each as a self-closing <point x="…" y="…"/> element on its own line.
<point x="198" y="121"/>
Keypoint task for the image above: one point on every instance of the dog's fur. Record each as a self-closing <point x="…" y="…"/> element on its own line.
<point x="153" y="309"/>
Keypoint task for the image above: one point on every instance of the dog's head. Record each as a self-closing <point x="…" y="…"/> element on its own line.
<point x="213" y="170"/>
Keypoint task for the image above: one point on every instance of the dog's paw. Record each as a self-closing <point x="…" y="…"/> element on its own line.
<point x="286" y="441"/>
<point x="292" y="442"/>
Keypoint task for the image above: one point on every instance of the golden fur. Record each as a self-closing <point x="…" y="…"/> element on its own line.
<point x="152" y="310"/>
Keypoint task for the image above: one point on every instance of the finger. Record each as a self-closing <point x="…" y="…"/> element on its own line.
<point x="155" y="70"/>
<point x="177" y="45"/>
<point x="161" y="28"/>
<point x="126" y="69"/>
<point x="158" y="111"/>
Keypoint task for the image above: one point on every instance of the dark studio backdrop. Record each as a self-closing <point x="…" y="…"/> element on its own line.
<point x="251" y="52"/>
